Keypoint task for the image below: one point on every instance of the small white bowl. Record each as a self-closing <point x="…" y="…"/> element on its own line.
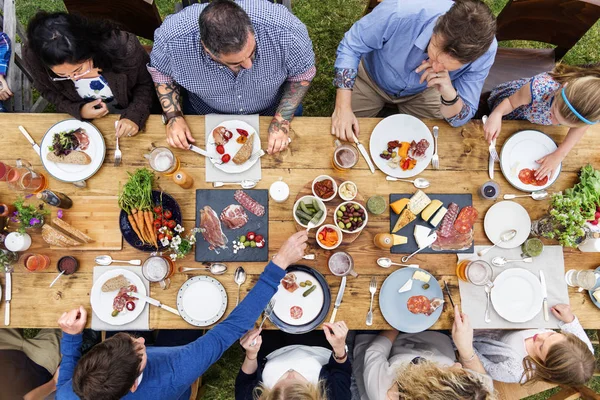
<point x="365" y="216"/>
<point x="339" y="233"/>
<point x="322" y="178"/>
<point x="340" y="191"/>
<point x="307" y="200"/>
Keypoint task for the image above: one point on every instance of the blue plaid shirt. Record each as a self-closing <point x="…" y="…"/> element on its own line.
<point x="4" y="53"/>
<point x="284" y="53"/>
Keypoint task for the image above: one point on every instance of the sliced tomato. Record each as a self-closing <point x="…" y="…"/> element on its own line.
<point x="171" y="224"/>
<point x="220" y="149"/>
<point x="242" y="132"/>
<point x="158" y="209"/>
<point x="168" y="214"/>
<point x="260" y="244"/>
<point x="226" y="158"/>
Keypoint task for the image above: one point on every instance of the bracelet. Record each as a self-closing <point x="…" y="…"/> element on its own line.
<point x="470" y="358"/>
<point x="450" y="102"/>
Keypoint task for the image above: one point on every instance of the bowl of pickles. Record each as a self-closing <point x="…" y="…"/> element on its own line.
<point x="310" y="209"/>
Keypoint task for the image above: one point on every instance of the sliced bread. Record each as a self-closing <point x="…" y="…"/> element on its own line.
<point x="74" y="157"/>
<point x="115" y="283"/>
<point x="55" y="238"/>
<point x="245" y="151"/>
<point x="72" y="231"/>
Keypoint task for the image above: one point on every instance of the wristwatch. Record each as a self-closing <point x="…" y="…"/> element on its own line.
<point x="343" y="356"/>
<point x="166" y="117"/>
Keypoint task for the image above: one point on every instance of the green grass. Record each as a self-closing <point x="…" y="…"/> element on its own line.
<point x="327" y="21"/>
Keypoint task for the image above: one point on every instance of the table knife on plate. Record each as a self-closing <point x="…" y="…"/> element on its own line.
<point x="8" y="298"/>
<point x="154" y="302"/>
<point x="35" y="146"/>
<point x="364" y="153"/>
<point x="338" y="300"/>
<point x="545" y="296"/>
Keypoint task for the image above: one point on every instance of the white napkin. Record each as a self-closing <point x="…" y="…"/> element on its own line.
<point x="213" y="174"/>
<point x="141" y="323"/>
<point x="551" y="261"/>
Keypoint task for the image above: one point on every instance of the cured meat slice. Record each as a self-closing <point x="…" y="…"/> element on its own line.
<point x="249" y="203"/>
<point x="296" y="312"/>
<point x="418" y="304"/>
<point x="465" y="220"/>
<point x="289" y="282"/>
<point x="541" y="182"/>
<point x="434" y="305"/>
<point x="456" y="241"/>
<point x="82" y="138"/>
<point x="234" y="216"/>
<point x="526" y="176"/>
<point x="447" y="225"/>
<point x="219" y="135"/>
<point x="417" y="150"/>
<point x="210" y="226"/>
<point x="119" y="303"/>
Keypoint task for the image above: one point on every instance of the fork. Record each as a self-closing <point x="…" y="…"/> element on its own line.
<point x="118" y="154"/>
<point x="435" y="160"/>
<point x="267" y="312"/>
<point x="372" y="290"/>
<point x="492" y="148"/>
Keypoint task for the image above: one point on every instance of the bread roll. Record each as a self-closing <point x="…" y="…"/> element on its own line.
<point x="74" y="157"/>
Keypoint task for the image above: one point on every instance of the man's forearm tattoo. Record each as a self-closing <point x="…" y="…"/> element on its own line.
<point x="168" y="96"/>
<point x="293" y="93"/>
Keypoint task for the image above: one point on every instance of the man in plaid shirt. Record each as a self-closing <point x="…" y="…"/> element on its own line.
<point x="5" y="92"/>
<point x="245" y="57"/>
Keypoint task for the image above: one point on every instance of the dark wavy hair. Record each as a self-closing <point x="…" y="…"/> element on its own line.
<point x="58" y="38"/>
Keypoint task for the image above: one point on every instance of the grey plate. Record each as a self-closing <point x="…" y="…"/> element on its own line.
<point x="393" y="304"/>
<point x="189" y="285"/>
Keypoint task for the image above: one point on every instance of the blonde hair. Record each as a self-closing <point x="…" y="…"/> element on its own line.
<point x="429" y="381"/>
<point x="569" y="362"/>
<point x="582" y="91"/>
<point x="295" y="391"/>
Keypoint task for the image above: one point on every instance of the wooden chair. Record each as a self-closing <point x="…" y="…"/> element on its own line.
<point x="184" y="3"/>
<point x="140" y="17"/>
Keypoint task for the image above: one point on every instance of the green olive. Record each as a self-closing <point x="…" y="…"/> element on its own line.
<point x="426" y="286"/>
<point x="302" y="284"/>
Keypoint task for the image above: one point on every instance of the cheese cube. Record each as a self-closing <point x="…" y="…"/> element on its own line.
<point x="421" y="276"/>
<point x="418" y="202"/>
<point x="399" y="240"/>
<point x="437" y="218"/>
<point x="596" y="295"/>
<point x="421" y="232"/>
<point x="405" y="218"/>
<point x="399" y="205"/>
<point x="431" y="209"/>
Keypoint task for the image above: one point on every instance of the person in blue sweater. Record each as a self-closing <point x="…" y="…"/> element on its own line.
<point x="122" y="366"/>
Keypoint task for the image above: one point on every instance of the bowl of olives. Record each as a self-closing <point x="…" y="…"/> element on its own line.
<point x="350" y="217"/>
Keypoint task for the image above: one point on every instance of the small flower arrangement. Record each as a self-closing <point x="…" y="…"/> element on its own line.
<point x="27" y="215"/>
<point x="179" y="245"/>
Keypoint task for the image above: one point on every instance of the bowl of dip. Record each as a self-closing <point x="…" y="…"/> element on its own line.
<point x="348" y="190"/>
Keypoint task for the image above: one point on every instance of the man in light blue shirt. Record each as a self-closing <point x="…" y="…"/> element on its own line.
<point x="427" y="57"/>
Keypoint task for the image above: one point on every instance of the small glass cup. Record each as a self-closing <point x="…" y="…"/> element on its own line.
<point x="584" y="279"/>
<point x="163" y="160"/>
<point x="158" y="269"/>
<point x="341" y="264"/>
<point x="35" y="262"/>
<point x="477" y="272"/>
<point x="345" y="156"/>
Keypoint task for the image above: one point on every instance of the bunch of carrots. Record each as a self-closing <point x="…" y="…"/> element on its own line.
<point x="136" y="200"/>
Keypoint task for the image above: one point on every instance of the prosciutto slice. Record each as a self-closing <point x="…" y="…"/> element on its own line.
<point x="210" y="226"/>
<point x="234" y="216"/>
<point x="82" y="137"/>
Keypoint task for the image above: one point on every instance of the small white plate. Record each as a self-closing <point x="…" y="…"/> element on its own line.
<point x="201" y="300"/>
<point x="311" y="304"/>
<point x="404" y="128"/>
<point x="102" y="302"/>
<point x="232" y="147"/>
<point x="72" y="172"/>
<point x="517" y="295"/>
<point x="521" y="151"/>
<point x="504" y="216"/>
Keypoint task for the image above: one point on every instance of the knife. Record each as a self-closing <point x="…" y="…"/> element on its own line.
<point x="491" y="159"/>
<point x="35" y="146"/>
<point x="8" y="297"/>
<point x="364" y="153"/>
<point x="449" y="295"/>
<point x="428" y="242"/>
<point x="545" y="295"/>
<point x="338" y="300"/>
<point x="154" y="302"/>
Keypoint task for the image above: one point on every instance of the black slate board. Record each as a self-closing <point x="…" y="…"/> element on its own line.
<point x="462" y="200"/>
<point x="218" y="199"/>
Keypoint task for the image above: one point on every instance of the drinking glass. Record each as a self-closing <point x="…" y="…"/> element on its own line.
<point x="158" y="269"/>
<point x="4" y="170"/>
<point x="163" y="160"/>
<point x="24" y="178"/>
<point x="477" y="272"/>
<point x="35" y="262"/>
<point x="345" y="156"/>
<point x="584" y="279"/>
<point x="341" y="264"/>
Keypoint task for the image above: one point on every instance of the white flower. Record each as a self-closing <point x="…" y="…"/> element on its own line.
<point x="192" y="239"/>
<point x="177" y="240"/>
<point x="163" y="229"/>
<point x="179" y="228"/>
<point x="164" y="241"/>
<point x="173" y="256"/>
<point x="173" y="245"/>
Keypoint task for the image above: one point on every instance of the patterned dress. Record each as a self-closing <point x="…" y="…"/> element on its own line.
<point x="543" y="89"/>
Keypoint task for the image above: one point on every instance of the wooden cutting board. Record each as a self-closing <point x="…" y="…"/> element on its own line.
<point x="97" y="217"/>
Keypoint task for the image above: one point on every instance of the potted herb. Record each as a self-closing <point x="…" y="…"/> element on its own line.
<point x="28" y="216"/>
<point x="7" y="258"/>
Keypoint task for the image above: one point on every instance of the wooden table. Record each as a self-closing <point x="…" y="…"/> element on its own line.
<point x="463" y="160"/>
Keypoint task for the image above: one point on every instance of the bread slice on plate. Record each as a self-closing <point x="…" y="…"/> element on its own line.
<point x="245" y="151"/>
<point x="115" y="283"/>
<point x="72" y="231"/>
<point x="55" y="238"/>
<point x="74" y="157"/>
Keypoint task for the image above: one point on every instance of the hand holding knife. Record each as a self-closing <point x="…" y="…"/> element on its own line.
<point x="364" y="153"/>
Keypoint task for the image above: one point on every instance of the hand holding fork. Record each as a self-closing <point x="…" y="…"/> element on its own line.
<point x="266" y="313"/>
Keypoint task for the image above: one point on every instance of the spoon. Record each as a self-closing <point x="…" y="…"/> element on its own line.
<point x="501" y="261"/>
<point x="239" y="277"/>
<point x="386" y="263"/>
<point x="107" y="260"/>
<point x="55" y="279"/>
<point x="420" y="183"/>
<point x="537" y="195"/>
<point x="505" y="237"/>
<point x="245" y="184"/>
<point x="215" y="269"/>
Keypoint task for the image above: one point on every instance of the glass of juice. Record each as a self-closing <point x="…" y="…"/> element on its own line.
<point x="163" y="160"/>
<point x="158" y="269"/>
<point x="4" y="169"/>
<point x="345" y="156"/>
<point x="24" y="178"/>
<point x="35" y="262"/>
<point x="477" y="272"/>
<point x="341" y="264"/>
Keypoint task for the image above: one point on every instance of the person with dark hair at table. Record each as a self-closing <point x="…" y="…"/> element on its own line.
<point x="90" y="68"/>
<point x="122" y="366"/>
<point x="244" y="57"/>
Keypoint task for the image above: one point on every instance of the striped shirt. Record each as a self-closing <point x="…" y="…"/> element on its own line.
<point x="4" y="53"/>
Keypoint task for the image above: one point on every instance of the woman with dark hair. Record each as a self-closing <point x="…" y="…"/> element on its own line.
<point x="89" y="68"/>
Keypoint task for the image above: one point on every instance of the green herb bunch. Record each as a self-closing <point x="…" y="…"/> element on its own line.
<point x="28" y="215"/>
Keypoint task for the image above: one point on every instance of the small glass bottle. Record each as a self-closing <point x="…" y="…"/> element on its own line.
<point x="56" y="199"/>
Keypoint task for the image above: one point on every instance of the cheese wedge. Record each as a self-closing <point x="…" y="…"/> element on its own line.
<point x="421" y="276"/>
<point x="405" y="218"/>
<point x="437" y="218"/>
<point x="596" y="295"/>
<point x="431" y="209"/>
<point x="399" y="205"/>
<point x="418" y="202"/>
<point x="399" y="240"/>
<point x="421" y="232"/>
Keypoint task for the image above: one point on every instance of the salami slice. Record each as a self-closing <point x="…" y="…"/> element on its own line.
<point x="541" y="182"/>
<point x="296" y="312"/>
<point x="447" y="225"/>
<point x="418" y="304"/>
<point x="289" y="282"/>
<point x="526" y="176"/>
<point x="249" y="203"/>
<point x="119" y="303"/>
<point x="465" y="220"/>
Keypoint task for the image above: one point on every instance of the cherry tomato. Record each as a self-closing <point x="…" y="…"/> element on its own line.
<point x="165" y="222"/>
<point x="157" y="225"/>
<point x="171" y="224"/>
<point x="158" y="209"/>
<point x="226" y="158"/>
<point x="220" y="149"/>
<point x="228" y="134"/>
<point x="130" y="305"/>
<point x="168" y="214"/>
<point x="242" y="132"/>
<point x="259" y="238"/>
<point x="161" y="236"/>
<point x="251" y="236"/>
<point x="169" y="237"/>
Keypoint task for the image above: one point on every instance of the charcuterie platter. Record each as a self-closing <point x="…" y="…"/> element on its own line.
<point x="234" y="225"/>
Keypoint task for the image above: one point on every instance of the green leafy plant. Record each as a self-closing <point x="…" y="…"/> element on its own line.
<point x="28" y="215"/>
<point x="7" y="258"/>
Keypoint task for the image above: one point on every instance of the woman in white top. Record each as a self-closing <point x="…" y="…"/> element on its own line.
<point x="539" y="354"/>
<point x="423" y="365"/>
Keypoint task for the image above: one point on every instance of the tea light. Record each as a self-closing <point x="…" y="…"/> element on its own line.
<point x="16" y="241"/>
<point x="279" y="191"/>
<point x="489" y="190"/>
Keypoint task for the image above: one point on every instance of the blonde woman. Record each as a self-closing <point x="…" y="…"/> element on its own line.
<point x="286" y="370"/>
<point x="390" y="366"/>
<point x="539" y="354"/>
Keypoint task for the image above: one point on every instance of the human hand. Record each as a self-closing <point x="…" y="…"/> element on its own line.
<point x="548" y="165"/>
<point x="73" y="322"/>
<point x="126" y="127"/>
<point x="246" y="342"/>
<point x="179" y="134"/>
<point x="89" y="112"/>
<point x="336" y="336"/>
<point x="563" y="313"/>
<point x="462" y="332"/>
<point x="344" y="124"/>
<point x="492" y="126"/>
<point x="5" y="92"/>
<point x="279" y="133"/>
<point x="439" y="80"/>
<point x="291" y="250"/>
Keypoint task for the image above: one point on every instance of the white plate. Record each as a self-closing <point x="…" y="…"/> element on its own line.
<point x="522" y="150"/>
<point x="102" y="302"/>
<point x="504" y="216"/>
<point x="233" y="146"/>
<point x="72" y="172"/>
<point x="311" y="304"/>
<point x="404" y="128"/>
<point x="517" y="295"/>
<point x="201" y="300"/>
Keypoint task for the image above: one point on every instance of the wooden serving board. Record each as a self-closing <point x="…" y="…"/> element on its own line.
<point x="331" y="205"/>
<point x="97" y="217"/>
